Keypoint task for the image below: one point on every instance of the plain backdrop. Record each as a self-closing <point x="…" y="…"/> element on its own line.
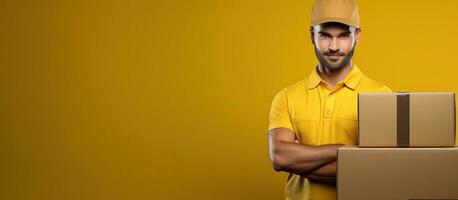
<point x="169" y="99"/>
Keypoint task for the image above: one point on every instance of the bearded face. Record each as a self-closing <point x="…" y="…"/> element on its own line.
<point x="334" y="44"/>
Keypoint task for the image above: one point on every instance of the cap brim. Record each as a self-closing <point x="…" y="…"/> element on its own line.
<point x="339" y="20"/>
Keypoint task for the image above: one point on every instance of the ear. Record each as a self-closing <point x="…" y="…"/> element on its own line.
<point x="357" y="35"/>
<point x="312" y="35"/>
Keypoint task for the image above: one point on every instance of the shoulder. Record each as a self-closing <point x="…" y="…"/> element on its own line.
<point x="292" y="88"/>
<point x="369" y="84"/>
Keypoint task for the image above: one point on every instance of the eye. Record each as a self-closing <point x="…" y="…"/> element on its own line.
<point x="344" y="35"/>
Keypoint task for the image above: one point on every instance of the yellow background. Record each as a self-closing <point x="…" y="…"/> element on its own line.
<point x="169" y="99"/>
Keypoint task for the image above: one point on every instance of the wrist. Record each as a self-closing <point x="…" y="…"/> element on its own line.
<point x="331" y="150"/>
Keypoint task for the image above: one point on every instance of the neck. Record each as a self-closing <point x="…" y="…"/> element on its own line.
<point x="333" y="77"/>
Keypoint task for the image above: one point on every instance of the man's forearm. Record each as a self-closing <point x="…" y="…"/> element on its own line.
<point x="303" y="159"/>
<point x="328" y="170"/>
<point x="322" y="179"/>
<point x="325" y="174"/>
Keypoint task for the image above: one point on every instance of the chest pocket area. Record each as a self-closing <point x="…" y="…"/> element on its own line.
<point x="348" y="110"/>
<point x="307" y="130"/>
<point x="347" y="123"/>
<point x="306" y="122"/>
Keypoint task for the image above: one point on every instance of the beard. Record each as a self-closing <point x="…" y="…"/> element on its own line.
<point x="333" y="66"/>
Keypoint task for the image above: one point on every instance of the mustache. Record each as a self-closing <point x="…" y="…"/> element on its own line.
<point x="333" y="53"/>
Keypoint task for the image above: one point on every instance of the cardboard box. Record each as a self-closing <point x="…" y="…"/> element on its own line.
<point x="397" y="173"/>
<point x="406" y="119"/>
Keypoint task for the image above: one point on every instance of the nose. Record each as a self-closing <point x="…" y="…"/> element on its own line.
<point x="334" y="46"/>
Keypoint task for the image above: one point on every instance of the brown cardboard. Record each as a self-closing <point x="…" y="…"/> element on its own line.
<point x="397" y="173"/>
<point x="417" y="119"/>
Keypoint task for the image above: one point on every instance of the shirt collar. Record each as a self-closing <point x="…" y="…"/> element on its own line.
<point x="350" y="81"/>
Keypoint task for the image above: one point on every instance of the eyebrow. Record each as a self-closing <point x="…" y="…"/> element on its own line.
<point x="324" y="33"/>
<point x="344" y="33"/>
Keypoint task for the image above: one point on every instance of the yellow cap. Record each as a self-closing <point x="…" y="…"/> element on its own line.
<point x="343" y="11"/>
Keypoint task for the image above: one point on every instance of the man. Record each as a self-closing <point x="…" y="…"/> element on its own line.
<point x="310" y="119"/>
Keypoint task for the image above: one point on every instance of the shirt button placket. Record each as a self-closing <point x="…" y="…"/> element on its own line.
<point x="328" y="106"/>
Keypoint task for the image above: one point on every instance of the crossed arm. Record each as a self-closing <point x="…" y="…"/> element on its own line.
<point x="317" y="163"/>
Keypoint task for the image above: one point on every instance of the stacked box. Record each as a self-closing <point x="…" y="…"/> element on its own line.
<point x="406" y="149"/>
<point x="406" y="119"/>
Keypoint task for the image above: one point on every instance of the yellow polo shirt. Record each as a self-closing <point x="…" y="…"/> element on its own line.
<point x="320" y="116"/>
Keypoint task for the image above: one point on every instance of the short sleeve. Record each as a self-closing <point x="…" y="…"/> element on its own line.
<point x="279" y="115"/>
